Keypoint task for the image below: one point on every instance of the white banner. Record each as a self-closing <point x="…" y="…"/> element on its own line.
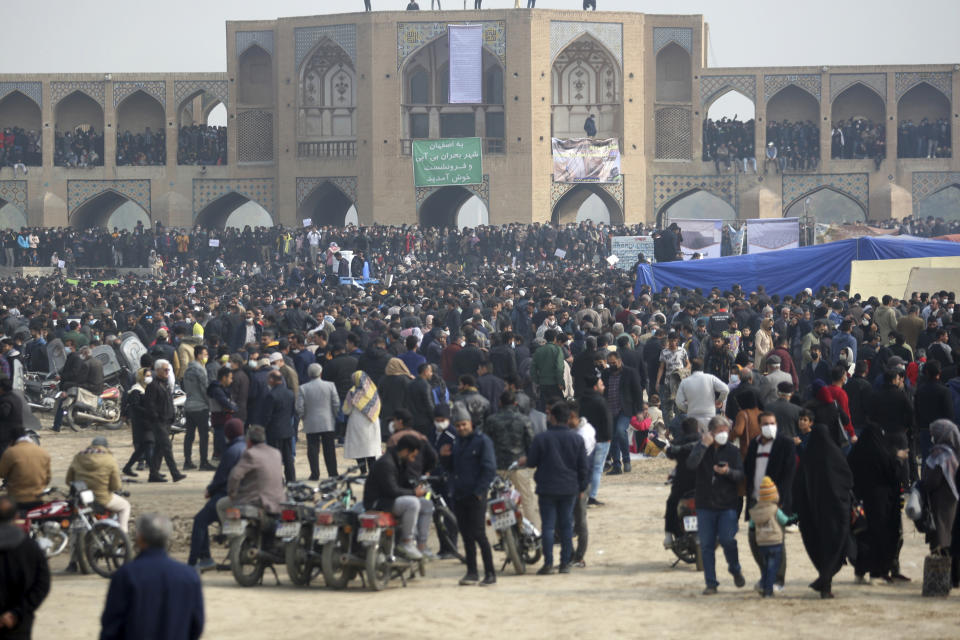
<point x="466" y="63"/>
<point x="772" y="234"/>
<point x="700" y="236"/>
<point x="627" y="248"/>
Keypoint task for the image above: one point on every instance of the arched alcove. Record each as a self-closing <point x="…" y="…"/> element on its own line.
<point x="828" y="206"/>
<point x="78" y="110"/>
<point x="427" y="111"/>
<point x="730" y="122"/>
<point x="586" y="201"/>
<point x="673" y="74"/>
<point x="217" y="115"/>
<point x="11" y="216"/>
<point x="202" y="136"/>
<point x="233" y="210"/>
<point x="108" y="210"/>
<point x="859" y="114"/>
<point x="326" y="94"/>
<point x="22" y="116"/>
<point x="945" y="204"/>
<point x="793" y="104"/>
<point x="255" y="82"/>
<point x="452" y="207"/>
<point x="326" y="206"/>
<point x="586" y="80"/>
<point x="695" y="205"/>
<point x="141" y="135"/>
<point x="924" y="131"/>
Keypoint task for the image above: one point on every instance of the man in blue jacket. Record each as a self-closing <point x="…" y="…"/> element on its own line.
<point x="472" y="465"/>
<point x="200" y="538"/>
<point x="560" y="458"/>
<point x="154" y="596"/>
<point x="280" y="404"/>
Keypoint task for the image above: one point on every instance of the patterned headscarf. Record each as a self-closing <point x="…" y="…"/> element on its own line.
<point x="946" y="446"/>
<point x="363" y="396"/>
<point x="397" y="367"/>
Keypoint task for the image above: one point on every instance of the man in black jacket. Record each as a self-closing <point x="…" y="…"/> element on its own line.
<point x="594" y="408"/>
<point x="931" y="402"/>
<point x="585" y="365"/>
<point x="719" y="474"/>
<point x="787" y="413"/>
<point x="624" y="395"/>
<point x="279" y="426"/>
<point x="771" y="454"/>
<point x="24" y="575"/>
<point x="419" y="401"/>
<point x="684" y="479"/>
<point x="11" y="414"/>
<point x="859" y="396"/>
<point x="388" y="489"/>
<point x="159" y="413"/>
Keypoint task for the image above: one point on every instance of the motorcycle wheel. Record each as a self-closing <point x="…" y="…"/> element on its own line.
<point x="448" y="540"/>
<point x="532" y="551"/>
<point x="513" y="554"/>
<point x="71" y="420"/>
<point x="297" y="558"/>
<point x="685" y="548"/>
<point x="336" y="573"/>
<point x="378" y="567"/>
<point x="106" y="548"/>
<point x="245" y="561"/>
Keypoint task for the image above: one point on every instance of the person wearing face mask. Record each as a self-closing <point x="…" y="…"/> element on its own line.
<point x="245" y="333"/>
<point x="719" y="474"/>
<point x="158" y="411"/>
<point x="774" y="455"/>
<point x="197" y="409"/>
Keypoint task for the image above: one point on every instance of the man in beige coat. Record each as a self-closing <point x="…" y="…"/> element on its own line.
<point x="98" y="469"/>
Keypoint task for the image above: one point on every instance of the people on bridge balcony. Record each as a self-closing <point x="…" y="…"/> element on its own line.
<point x="928" y="139"/>
<point x="859" y="139"/>
<point x="142" y="149"/>
<point x="797" y="144"/>
<point x="20" y="148"/>
<point x="729" y="142"/>
<point x="78" y="148"/>
<point x="201" y="144"/>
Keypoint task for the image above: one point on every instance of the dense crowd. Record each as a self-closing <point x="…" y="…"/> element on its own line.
<point x="203" y="145"/>
<point x="20" y="148"/>
<point x="78" y="148"/>
<point x="792" y="146"/>
<point x="142" y="149"/>
<point x="926" y="139"/>
<point x="859" y="139"/>
<point x="804" y="409"/>
<point x="729" y="142"/>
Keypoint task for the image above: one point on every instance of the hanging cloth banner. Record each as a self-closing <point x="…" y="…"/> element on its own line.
<point x="466" y="63"/>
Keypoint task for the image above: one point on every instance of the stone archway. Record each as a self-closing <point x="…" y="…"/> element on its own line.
<point x="444" y="206"/>
<point x="101" y="211"/>
<point x="216" y="215"/>
<point x="943" y="203"/>
<point x="325" y="202"/>
<point x="827" y="204"/>
<point x="696" y="204"/>
<point x="568" y="206"/>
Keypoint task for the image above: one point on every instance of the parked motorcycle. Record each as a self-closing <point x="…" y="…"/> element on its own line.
<point x="337" y="525"/>
<point x="40" y="390"/>
<point x="518" y="537"/>
<point x="83" y="408"/>
<point x="257" y="539"/>
<point x="444" y="522"/>
<point x="98" y="543"/>
<point x="686" y="546"/>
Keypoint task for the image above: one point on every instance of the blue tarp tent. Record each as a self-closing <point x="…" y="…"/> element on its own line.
<point x="789" y="270"/>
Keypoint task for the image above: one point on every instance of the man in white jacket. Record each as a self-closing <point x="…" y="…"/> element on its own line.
<point x="701" y="394"/>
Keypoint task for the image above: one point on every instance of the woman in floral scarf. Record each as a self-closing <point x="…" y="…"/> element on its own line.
<point x="362" y="404"/>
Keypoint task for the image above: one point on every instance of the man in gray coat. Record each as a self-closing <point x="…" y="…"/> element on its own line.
<point x="197" y="410"/>
<point x="317" y="405"/>
<point x="257" y="479"/>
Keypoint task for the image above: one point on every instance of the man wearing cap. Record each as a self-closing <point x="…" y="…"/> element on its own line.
<point x="774" y="376"/>
<point x="199" y="537"/>
<point x="786" y="413"/>
<point x="97" y="467"/>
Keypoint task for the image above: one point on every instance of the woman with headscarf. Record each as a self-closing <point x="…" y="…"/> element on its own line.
<point x="821" y="494"/>
<point x="745" y="355"/>
<point x="393" y="392"/>
<point x="939" y="483"/>
<point x="876" y="482"/>
<point x="362" y="404"/>
<point x="763" y="342"/>
<point x="746" y="424"/>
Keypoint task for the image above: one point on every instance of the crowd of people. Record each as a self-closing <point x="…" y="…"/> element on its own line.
<point x="20" y="148"/>
<point x="79" y="148"/>
<point x="729" y="142"/>
<point x="203" y="145"/>
<point x="145" y="149"/>
<point x="859" y="139"/>
<point x="792" y="146"/>
<point x="482" y="351"/>
<point x="926" y="139"/>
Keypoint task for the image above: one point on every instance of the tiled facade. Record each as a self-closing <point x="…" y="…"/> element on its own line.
<point x="80" y="191"/>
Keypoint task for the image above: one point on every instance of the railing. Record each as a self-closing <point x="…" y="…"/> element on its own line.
<point x="492" y="146"/>
<point x="331" y="149"/>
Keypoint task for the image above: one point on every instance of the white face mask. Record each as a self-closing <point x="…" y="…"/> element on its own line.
<point x="390" y="426"/>
<point x="147" y="379"/>
<point x="769" y="431"/>
<point x="734" y="378"/>
<point x="441" y="424"/>
<point x="721" y="438"/>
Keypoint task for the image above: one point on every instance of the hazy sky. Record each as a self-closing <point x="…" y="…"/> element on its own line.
<point x="188" y="35"/>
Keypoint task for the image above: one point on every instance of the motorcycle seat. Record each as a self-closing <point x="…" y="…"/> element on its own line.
<point x="383" y="518"/>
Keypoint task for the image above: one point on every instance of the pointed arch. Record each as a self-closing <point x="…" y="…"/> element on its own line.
<point x="793" y="103"/>
<point x="78" y="110"/>
<point x="17" y="109"/>
<point x="710" y="206"/>
<point x="942" y="203"/>
<point x="858" y="101"/>
<point x="923" y="100"/>
<point x="12" y="216"/>
<point x="673" y="74"/>
<point x="586" y="79"/>
<point x="567" y="208"/>
<point x="255" y="81"/>
<point x="326" y="205"/>
<point x="442" y="207"/>
<point x="827" y="213"/>
<point x="216" y="214"/>
<point x="98" y="210"/>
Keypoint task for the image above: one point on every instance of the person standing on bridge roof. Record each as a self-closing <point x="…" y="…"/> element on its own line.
<point x="590" y="126"/>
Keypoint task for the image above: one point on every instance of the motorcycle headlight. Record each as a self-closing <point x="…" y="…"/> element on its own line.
<point x="86" y="496"/>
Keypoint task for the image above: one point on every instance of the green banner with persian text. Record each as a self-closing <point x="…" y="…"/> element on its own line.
<point x="447" y="162"/>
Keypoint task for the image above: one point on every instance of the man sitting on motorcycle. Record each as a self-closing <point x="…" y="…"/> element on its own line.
<point x="389" y="488"/>
<point x="257" y="479"/>
<point x="25" y="468"/>
<point x="684" y="479"/>
<point x="81" y="369"/>
<point x="97" y="467"/>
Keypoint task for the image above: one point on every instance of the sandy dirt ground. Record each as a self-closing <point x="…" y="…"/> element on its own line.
<point x="628" y="588"/>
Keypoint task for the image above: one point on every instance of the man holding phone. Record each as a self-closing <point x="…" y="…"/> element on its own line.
<point x="719" y="470"/>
